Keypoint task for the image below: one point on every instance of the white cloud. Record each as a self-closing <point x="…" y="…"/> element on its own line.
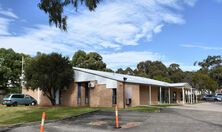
<point x="132" y="58"/>
<point x="6" y="17"/>
<point x="189" y="67"/>
<point x="4" y="26"/>
<point x="129" y="58"/>
<point x="190" y="2"/>
<point x="8" y="13"/>
<point x="200" y="47"/>
<point x="158" y="28"/>
<point x="112" y="26"/>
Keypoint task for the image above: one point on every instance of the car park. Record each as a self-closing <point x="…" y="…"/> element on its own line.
<point x="18" y="99"/>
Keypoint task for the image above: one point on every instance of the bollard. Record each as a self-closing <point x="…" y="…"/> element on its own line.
<point x="42" y="123"/>
<point x="117" y="117"/>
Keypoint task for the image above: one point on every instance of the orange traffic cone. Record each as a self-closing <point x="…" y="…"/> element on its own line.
<point x="42" y="123"/>
<point x="117" y="117"/>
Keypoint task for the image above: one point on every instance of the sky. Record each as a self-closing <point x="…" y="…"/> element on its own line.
<point x="124" y="32"/>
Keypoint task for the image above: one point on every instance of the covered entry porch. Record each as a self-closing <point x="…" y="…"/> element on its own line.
<point x="177" y="93"/>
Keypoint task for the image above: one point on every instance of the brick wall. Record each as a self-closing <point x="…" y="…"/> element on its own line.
<point x="144" y="95"/>
<point x="100" y="96"/>
<point x="69" y="96"/>
<point x="154" y="94"/>
<point x="42" y="100"/>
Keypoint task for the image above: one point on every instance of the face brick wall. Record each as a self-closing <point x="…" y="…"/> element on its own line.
<point x="144" y="95"/>
<point x="100" y="96"/>
<point x="42" y="100"/>
<point x="119" y="94"/>
<point x="154" y="94"/>
<point x="69" y="96"/>
<point x="136" y="94"/>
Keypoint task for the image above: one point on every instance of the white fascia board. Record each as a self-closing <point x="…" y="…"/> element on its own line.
<point x="80" y="76"/>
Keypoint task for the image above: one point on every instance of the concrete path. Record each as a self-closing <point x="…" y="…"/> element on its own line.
<point x="206" y="106"/>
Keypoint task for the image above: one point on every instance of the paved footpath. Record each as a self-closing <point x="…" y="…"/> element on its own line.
<point x="201" y="118"/>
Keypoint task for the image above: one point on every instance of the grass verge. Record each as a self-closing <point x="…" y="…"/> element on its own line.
<point x="144" y="109"/>
<point x="165" y="105"/>
<point x="25" y="114"/>
<point x="138" y="108"/>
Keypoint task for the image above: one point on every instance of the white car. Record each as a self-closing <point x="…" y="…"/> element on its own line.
<point x="219" y="96"/>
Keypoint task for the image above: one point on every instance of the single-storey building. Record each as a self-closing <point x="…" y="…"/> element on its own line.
<point x="105" y="89"/>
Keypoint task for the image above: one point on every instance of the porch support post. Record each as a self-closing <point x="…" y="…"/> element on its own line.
<point x="183" y="95"/>
<point x="160" y="95"/>
<point x="196" y="95"/>
<point x="150" y="95"/>
<point x="38" y="99"/>
<point x="188" y="92"/>
<point x="191" y="91"/>
<point x="169" y="95"/>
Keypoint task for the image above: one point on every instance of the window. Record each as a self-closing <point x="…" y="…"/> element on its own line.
<point x="114" y="96"/>
<point x="79" y="94"/>
<point x="17" y="96"/>
<point x="86" y="93"/>
<point x="8" y="96"/>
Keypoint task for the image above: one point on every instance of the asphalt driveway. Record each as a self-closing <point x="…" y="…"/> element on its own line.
<point x="168" y="120"/>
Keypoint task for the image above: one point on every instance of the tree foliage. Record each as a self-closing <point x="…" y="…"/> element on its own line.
<point x="127" y="71"/>
<point x="216" y="74"/>
<point x="211" y="66"/>
<point x="10" y="69"/>
<point x="50" y="73"/>
<point x="53" y="72"/>
<point x="209" y="62"/>
<point x="156" y="70"/>
<point x="91" y="60"/>
<point x="55" y="9"/>
<point x="175" y="73"/>
<point x="204" y="82"/>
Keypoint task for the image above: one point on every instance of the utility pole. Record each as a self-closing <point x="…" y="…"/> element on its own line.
<point x="22" y="73"/>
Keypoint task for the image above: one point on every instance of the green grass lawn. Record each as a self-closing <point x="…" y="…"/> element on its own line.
<point x="138" y="108"/>
<point x="165" y="105"/>
<point x="24" y="114"/>
<point x="144" y="109"/>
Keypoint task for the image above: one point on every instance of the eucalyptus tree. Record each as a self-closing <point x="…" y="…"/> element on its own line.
<point x="55" y="9"/>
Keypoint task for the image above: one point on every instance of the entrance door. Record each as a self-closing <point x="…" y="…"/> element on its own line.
<point x="87" y="93"/>
<point x="114" y="97"/>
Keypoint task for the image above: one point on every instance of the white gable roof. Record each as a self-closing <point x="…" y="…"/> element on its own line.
<point x="185" y="85"/>
<point x="132" y="79"/>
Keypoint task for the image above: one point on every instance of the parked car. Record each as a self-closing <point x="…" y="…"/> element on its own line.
<point x="219" y="96"/>
<point x="18" y="99"/>
<point x="211" y="98"/>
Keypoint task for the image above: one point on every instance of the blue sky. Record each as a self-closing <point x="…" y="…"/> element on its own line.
<point x="124" y="33"/>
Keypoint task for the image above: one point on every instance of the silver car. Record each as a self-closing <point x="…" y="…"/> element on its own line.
<point x="219" y="96"/>
<point x="210" y="98"/>
<point x="18" y="99"/>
